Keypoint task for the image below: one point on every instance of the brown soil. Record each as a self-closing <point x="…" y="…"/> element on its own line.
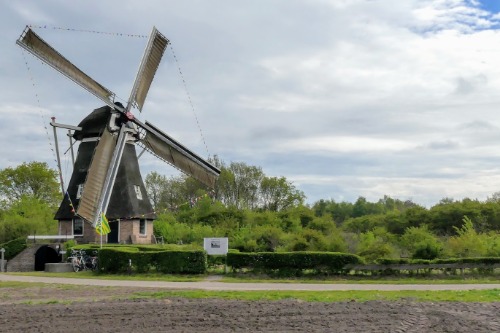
<point x="110" y="309"/>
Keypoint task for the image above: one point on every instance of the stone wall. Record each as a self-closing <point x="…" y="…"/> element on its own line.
<point x="24" y="261"/>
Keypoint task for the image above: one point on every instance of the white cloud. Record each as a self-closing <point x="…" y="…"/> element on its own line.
<point x="344" y="144"/>
<point x="346" y="98"/>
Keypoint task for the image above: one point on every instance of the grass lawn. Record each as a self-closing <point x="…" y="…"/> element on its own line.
<point x="133" y="277"/>
<point x="491" y="295"/>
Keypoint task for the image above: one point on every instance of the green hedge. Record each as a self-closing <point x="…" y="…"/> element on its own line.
<point x="404" y="261"/>
<point x="13" y="247"/>
<point x="320" y="261"/>
<point x="181" y="262"/>
<point x="116" y="260"/>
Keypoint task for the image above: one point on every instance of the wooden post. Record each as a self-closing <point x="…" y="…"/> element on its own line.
<point x="2" y="251"/>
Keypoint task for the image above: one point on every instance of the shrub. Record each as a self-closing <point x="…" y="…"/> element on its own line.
<point x="426" y="251"/>
<point x="13" y="247"/>
<point x="292" y="261"/>
<point x="116" y="260"/>
<point x="181" y="262"/>
<point x="391" y="261"/>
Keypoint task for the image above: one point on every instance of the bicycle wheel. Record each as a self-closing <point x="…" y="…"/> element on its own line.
<point x="95" y="265"/>
<point x="75" y="264"/>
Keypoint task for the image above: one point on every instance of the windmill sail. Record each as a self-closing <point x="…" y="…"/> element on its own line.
<point x="111" y="173"/>
<point x="171" y="151"/>
<point x="147" y="69"/>
<point x="31" y="42"/>
<point x="88" y="207"/>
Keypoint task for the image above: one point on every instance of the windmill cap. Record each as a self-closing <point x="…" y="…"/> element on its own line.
<point x="93" y="124"/>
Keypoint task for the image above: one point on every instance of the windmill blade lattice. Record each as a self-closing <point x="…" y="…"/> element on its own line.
<point x="150" y="61"/>
<point x="31" y="42"/>
<point x="166" y="148"/>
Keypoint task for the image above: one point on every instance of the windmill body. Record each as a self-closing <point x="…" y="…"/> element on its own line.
<point x="129" y="211"/>
<point x="106" y="177"/>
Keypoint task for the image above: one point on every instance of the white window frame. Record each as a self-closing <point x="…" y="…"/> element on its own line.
<point x="145" y="227"/>
<point x="73" y="226"/>
<point x="138" y="192"/>
<point x="79" y="191"/>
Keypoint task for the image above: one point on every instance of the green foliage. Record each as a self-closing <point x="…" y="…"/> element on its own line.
<point x="278" y="194"/>
<point x="130" y="259"/>
<point x="26" y="216"/>
<point x="330" y="262"/>
<point x="181" y="233"/>
<point x="419" y="242"/>
<point x="364" y="223"/>
<point x="181" y="262"/>
<point x="426" y="251"/>
<point x="373" y="245"/>
<point x="392" y="261"/>
<point x="13" y="247"/>
<point x="33" y="180"/>
<point x="467" y="242"/>
<point x="112" y="260"/>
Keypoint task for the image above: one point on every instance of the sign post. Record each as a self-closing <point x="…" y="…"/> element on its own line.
<point x="217" y="246"/>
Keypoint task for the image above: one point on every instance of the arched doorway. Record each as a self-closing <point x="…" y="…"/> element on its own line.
<point x="45" y="254"/>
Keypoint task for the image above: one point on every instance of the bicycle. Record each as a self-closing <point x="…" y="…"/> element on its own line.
<point x="81" y="261"/>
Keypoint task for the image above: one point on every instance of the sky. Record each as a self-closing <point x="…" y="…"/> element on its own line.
<point x="344" y="98"/>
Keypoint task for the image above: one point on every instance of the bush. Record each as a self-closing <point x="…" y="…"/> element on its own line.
<point x="216" y="260"/>
<point x="292" y="261"/>
<point x="113" y="260"/>
<point x="181" y="262"/>
<point x="116" y="260"/>
<point x="13" y="247"/>
<point x="391" y="261"/>
<point x="427" y="251"/>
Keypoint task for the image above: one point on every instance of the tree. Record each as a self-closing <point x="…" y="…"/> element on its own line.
<point x="420" y="242"/>
<point x="468" y="242"/>
<point x="25" y="216"/>
<point x="156" y="186"/>
<point x="33" y="179"/>
<point x="239" y="185"/>
<point x="278" y="194"/>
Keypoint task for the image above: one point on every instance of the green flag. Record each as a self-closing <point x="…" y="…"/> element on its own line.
<point x="102" y="227"/>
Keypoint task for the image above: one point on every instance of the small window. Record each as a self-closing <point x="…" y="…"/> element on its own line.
<point x="138" y="192"/>
<point x="79" y="191"/>
<point x="77" y="227"/>
<point x="142" y="227"/>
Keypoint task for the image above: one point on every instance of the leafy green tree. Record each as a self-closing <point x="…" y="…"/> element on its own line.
<point x="493" y="244"/>
<point x="156" y="186"/>
<point x="447" y="216"/>
<point x="323" y="224"/>
<point x="372" y="246"/>
<point x="33" y="179"/>
<point x="316" y="241"/>
<point x="395" y="222"/>
<point x="364" y="223"/>
<point x="419" y="242"/>
<point x="27" y="216"/>
<point x="239" y="185"/>
<point x="467" y="242"/>
<point x="277" y="194"/>
<point x="362" y="207"/>
<point x="416" y="216"/>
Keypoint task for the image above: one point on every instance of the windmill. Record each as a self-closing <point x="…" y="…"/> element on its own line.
<point x="106" y="177"/>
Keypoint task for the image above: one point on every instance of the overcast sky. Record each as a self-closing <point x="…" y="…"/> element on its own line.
<point x="344" y="98"/>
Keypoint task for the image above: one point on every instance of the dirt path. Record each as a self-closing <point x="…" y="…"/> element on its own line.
<point x="217" y="285"/>
<point x="54" y="307"/>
